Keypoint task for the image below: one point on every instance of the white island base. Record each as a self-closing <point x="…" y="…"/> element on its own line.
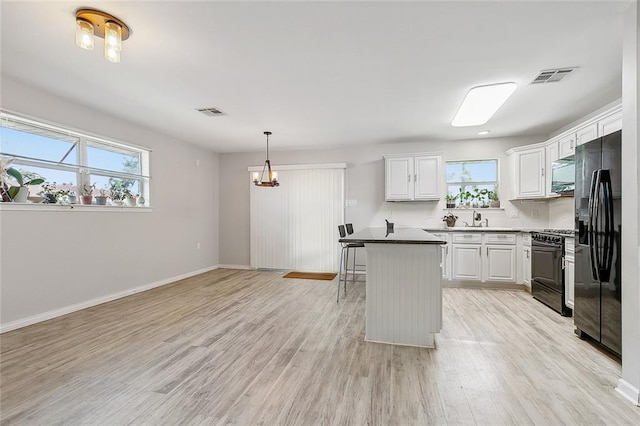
<point x="404" y="294"/>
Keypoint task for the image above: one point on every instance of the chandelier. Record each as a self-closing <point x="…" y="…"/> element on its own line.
<point x="272" y="177"/>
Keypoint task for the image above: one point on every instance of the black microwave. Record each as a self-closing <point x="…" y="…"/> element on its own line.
<point x="563" y="176"/>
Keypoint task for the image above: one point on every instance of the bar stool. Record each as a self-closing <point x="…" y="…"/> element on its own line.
<point x="344" y="257"/>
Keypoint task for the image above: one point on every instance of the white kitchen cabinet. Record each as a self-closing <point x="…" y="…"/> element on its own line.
<point x="500" y="263"/>
<point x="445" y="265"/>
<point x="529" y="172"/>
<point x="610" y="124"/>
<point x="483" y="256"/>
<point x="566" y="146"/>
<point x="467" y="262"/>
<point x="412" y="177"/>
<point x="584" y="135"/>
<point x="569" y="272"/>
<point x="398" y="174"/>
<point x="551" y="155"/>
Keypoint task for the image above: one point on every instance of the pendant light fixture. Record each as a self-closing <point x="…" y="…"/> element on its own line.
<point x="272" y="177"/>
<point x="92" y="22"/>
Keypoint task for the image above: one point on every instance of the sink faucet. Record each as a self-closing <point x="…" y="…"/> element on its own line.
<point x="476" y="217"/>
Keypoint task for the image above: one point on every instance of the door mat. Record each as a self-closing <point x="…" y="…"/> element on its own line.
<point x="312" y="275"/>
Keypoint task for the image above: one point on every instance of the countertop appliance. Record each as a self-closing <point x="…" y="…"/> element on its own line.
<point x="598" y="207"/>
<point x="547" y="269"/>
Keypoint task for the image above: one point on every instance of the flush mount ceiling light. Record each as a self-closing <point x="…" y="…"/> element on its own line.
<point x="272" y="177"/>
<point x="483" y="132"/>
<point x="481" y="103"/>
<point x="92" y="22"/>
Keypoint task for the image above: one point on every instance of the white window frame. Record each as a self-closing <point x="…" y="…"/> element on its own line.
<point x="473" y="183"/>
<point x="81" y="168"/>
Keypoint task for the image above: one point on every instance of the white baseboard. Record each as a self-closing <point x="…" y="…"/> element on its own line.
<point x="224" y="266"/>
<point x="628" y="391"/>
<point x="97" y="301"/>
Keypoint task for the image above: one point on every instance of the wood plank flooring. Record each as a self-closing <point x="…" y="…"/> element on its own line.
<point x="249" y="347"/>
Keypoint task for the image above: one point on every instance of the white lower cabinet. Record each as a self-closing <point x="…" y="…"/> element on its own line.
<point x="483" y="257"/>
<point x="569" y="272"/>
<point x="526" y="259"/>
<point x="500" y="263"/>
<point x="467" y="264"/>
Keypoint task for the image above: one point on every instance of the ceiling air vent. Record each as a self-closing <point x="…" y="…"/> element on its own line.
<point x="552" y="76"/>
<point x="211" y="112"/>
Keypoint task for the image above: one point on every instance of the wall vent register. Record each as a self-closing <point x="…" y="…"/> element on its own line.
<point x="552" y="76"/>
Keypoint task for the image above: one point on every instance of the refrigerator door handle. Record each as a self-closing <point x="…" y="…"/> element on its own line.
<point x="592" y="230"/>
<point x="608" y="232"/>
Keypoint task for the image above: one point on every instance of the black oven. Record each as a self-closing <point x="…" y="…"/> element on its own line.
<point x="547" y="270"/>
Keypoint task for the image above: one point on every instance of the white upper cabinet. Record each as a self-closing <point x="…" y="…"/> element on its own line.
<point x="529" y="172"/>
<point x="412" y="177"/>
<point x="566" y="146"/>
<point x="610" y="124"/>
<point x="398" y="174"/>
<point x="584" y="135"/>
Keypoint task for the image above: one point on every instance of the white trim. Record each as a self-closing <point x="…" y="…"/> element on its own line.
<point x="98" y="301"/>
<point x="38" y="122"/>
<point x="628" y="391"/>
<point x="300" y="167"/>
<point x="225" y="266"/>
<point x="72" y="208"/>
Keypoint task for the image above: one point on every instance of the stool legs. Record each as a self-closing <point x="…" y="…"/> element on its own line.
<point x="340" y="273"/>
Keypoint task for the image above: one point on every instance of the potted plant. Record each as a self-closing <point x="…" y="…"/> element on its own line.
<point x="451" y="200"/>
<point x="116" y="194"/>
<point x="484" y="198"/>
<point x="20" y="193"/>
<point x="101" y="199"/>
<point x="71" y="197"/>
<point x="129" y="198"/>
<point x="86" y="193"/>
<point x="494" y="199"/>
<point x="450" y="218"/>
<point x="48" y="192"/>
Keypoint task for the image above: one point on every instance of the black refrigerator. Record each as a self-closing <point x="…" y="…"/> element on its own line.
<point x="598" y="197"/>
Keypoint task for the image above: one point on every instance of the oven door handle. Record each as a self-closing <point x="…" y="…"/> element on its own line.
<point x="592" y="230"/>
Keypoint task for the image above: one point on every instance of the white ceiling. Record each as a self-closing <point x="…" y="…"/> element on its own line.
<point x="325" y="73"/>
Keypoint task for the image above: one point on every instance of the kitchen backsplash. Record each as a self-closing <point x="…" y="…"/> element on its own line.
<point x="516" y="214"/>
<point x="561" y="213"/>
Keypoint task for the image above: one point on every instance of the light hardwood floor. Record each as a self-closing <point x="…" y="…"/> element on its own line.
<point x="248" y="347"/>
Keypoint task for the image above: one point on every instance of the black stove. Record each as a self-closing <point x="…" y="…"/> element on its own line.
<point x="547" y="268"/>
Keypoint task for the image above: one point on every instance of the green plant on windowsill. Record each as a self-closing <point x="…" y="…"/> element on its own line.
<point x="494" y="198"/>
<point x="20" y="193"/>
<point x="451" y="200"/>
<point x="48" y="192"/>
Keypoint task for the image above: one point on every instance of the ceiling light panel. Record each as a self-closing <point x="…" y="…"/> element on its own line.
<point x="481" y="103"/>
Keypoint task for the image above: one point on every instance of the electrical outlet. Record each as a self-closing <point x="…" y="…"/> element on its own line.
<point x="515" y="214"/>
<point x="351" y="203"/>
<point x="534" y="214"/>
<point x="197" y="163"/>
<point x="390" y="214"/>
<point x="198" y="245"/>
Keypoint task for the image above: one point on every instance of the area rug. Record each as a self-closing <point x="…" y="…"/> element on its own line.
<point x="311" y="275"/>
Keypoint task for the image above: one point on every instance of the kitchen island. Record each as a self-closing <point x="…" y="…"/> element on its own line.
<point x="403" y="289"/>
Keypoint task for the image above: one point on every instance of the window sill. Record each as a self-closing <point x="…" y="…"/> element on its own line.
<point x="71" y="207"/>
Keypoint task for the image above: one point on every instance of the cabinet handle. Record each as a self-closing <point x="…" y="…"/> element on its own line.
<point x="408" y="178"/>
<point x="543" y="171"/>
<point x="415" y="177"/>
<point x="571" y="144"/>
<point x="562" y="262"/>
<point x="487" y="251"/>
<point x="527" y="253"/>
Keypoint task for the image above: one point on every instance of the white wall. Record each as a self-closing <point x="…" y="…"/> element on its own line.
<point x="630" y="383"/>
<point x="55" y="261"/>
<point x="365" y="183"/>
